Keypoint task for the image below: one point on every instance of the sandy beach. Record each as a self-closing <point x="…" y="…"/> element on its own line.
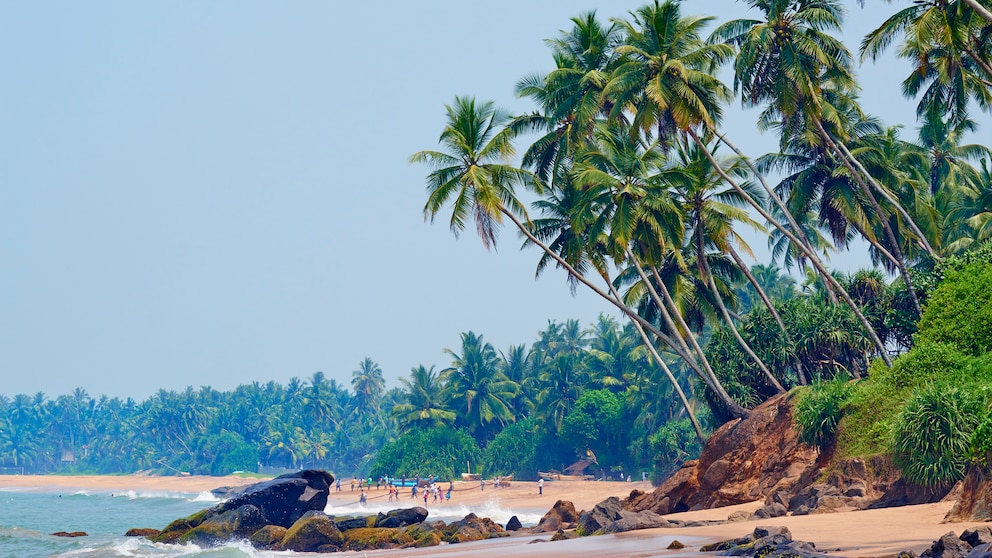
<point x="850" y="534"/>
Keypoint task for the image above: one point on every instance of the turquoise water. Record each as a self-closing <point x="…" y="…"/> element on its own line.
<point x="28" y="517"/>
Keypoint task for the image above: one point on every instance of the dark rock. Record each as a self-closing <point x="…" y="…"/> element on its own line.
<point x="983" y="550"/>
<point x="268" y="537"/>
<point x="632" y="521"/>
<point x="676" y="545"/>
<point x="348" y="523"/>
<point x="513" y="524"/>
<point x="739" y="515"/>
<point x="766" y="542"/>
<point x="473" y="528"/>
<point x="142" y="532"/>
<point x="770" y="511"/>
<point x="286" y="498"/>
<point x="401" y="517"/>
<point x="314" y="532"/>
<point x="975" y="537"/>
<point x="71" y="534"/>
<point x="238" y="523"/>
<point x="948" y="546"/>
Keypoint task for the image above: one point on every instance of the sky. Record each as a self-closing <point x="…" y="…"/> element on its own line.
<point x="217" y="193"/>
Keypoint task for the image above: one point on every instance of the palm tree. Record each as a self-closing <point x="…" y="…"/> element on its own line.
<point x="368" y="384"/>
<point x="479" y="392"/>
<point x="424" y="405"/>
<point x="948" y="47"/>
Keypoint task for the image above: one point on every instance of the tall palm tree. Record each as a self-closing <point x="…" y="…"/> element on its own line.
<point x="477" y="389"/>
<point x="368" y="385"/>
<point x="425" y="404"/>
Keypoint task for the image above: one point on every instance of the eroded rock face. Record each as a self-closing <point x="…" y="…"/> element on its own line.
<point x="744" y="460"/>
<point x="975" y="501"/>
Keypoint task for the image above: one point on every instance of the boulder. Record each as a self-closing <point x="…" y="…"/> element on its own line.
<point x="948" y="546"/>
<point x="561" y="515"/>
<point x="268" y="537"/>
<point x="348" y="523"/>
<point x="765" y="542"/>
<point x="238" y="523"/>
<point x="314" y="532"/>
<point x="979" y="536"/>
<point x="632" y="521"/>
<point x="981" y="551"/>
<point x="602" y="515"/>
<point x="473" y="528"/>
<point x="513" y="524"/>
<point x="401" y="517"/>
<point x="770" y="511"/>
<point x="284" y="499"/>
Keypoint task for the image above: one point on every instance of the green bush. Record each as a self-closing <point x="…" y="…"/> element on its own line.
<point x="960" y="311"/>
<point x="672" y="445"/>
<point x="818" y="411"/>
<point x="438" y="451"/>
<point x="933" y="434"/>
<point x="981" y="443"/>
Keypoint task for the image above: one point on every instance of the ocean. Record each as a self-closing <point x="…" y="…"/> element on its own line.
<point x="28" y="517"/>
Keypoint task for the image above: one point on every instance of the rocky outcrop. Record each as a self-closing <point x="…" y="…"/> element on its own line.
<point x="743" y="461"/>
<point x="513" y="524"/>
<point x="975" y="500"/>
<point x="561" y="516"/>
<point x="401" y="517"/>
<point x="973" y="543"/>
<point x="314" y="532"/>
<point x="765" y="542"/>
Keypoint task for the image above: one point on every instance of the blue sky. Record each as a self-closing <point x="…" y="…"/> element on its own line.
<point x="215" y="193"/>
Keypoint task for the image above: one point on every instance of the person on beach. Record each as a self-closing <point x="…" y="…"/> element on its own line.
<point x="482" y="485"/>
<point x="339" y="484"/>
<point x="540" y="486"/>
<point x="425" y="495"/>
<point x="353" y="483"/>
<point x="363" y="498"/>
<point x="451" y="486"/>
<point x="413" y="492"/>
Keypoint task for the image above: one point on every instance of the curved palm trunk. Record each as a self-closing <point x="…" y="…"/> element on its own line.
<point x="897" y="256"/>
<point x="883" y="353"/>
<point x="979" y="9"/>
<point x="771" y="308"/>
<point x="707" y="276"/>
<point x="668" y="374"/>
<point x="805" y="247"/>
<point x="733" y="408"/>
<point x="714" y="382"/>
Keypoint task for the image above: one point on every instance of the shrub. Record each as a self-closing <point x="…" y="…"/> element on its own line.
<point x="437" y="451"/>
<point x="933" y="433"/>
<point x="960" y="311"/>
<point x="673" y="444"/>
<point x="818" y="411"/>
<point x="981" y="443"/>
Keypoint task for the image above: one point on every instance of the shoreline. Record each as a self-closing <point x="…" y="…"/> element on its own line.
<point x="853" y="534"/>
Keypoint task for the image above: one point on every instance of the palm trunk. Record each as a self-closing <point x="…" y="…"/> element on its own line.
<point x="735" y="410"/>
<point x="805" y="247"/>
<point x="898" y="257"/>
<point x="717" y="386"/>
<point x="707" y="276"/>
<point x="668" y="374"/>
<point x="883" y="353"/>
<point x="771" y="309"/>
<point x="710" y="376"/>
<point x="979" y="9"/>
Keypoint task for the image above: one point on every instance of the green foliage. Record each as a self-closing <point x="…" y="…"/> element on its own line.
<point x="673" y="444"/>
<point x="933" y="434"/>
<point x="981" y="442"/>
<point x="818" y="411"/>
<point x="960" y="311"/>
<point x="596" y="423"/>
<point x="524" y="448"/>
<point x="440" y="451"/>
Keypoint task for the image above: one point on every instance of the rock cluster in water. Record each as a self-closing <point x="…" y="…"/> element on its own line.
<point x="765" y="542"/>
<point x="286" y="513"/>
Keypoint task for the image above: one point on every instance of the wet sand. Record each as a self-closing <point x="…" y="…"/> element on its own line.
<point x="850" y="534"/>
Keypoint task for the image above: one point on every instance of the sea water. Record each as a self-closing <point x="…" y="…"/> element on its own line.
<point x="29" y="517"/>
